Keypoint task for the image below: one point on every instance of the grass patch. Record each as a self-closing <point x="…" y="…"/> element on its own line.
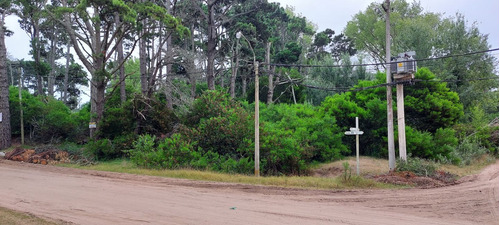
<point x="475" y="167"/>
<point x="368" y="166"/>
<point x="125" y="166"/>
<point x="12" y="217"/>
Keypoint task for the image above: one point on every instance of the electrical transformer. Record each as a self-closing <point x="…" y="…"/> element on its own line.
<point x="404" y="65"/>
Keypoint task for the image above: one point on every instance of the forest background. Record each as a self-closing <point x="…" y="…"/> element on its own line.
<point x="172" y="85"/>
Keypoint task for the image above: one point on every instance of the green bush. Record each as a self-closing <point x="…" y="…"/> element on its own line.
<point x="171" y="153"/>
<point x="46" y="120"/>
<point x="218" y="124"/>
<point x="102" y="149"/>
<point x="418" y="166"/>
<point x="468" y="150"/>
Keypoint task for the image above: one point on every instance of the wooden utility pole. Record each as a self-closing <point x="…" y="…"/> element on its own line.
<point x="21" y="103"/>
<point x="257" y="139"/>
<point x="390" y="123"/>
<point x="401" y="122"/>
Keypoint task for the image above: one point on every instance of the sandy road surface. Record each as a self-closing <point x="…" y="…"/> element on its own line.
<point x="90" y="197"/>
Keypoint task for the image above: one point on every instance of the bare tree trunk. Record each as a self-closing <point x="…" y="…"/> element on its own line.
<point x="121" y="71"/>
<point x="169" y="59"/>
<point x="66" y="72"/>
<point x="270" y="90"/>
<point x="211" y="48"/>
<point x="244" y="86"/>
<point x="143" y="64"/>
<point x="234" y="71"/>
<point x="35" y="42"/>
<point x="5" y="130"/>
<point x="52" y="61"/>
<point x="192" y="76"/>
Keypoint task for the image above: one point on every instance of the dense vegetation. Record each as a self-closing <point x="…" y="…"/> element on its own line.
<point x="187" y="100"/>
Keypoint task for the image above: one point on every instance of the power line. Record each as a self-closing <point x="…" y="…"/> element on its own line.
<point x="354" y="89"/>
<point x="380" y="64"/>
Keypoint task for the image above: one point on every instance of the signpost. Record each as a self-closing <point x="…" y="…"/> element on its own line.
<point x="357" y="132"/>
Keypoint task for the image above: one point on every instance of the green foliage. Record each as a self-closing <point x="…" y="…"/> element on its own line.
<point x="290" y="54"/>
<point x="431" y="105"/>
<point x="218" y="124"/>
<point x="418" y="166"/>
<point x="102" y="149"/>
<point x="46" y="120"/>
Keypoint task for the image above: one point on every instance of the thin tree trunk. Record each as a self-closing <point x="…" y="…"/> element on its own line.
<point x="234" y="72"/>
<point x="143" y="65"/>
<point x="52" y="59"/>
<point x="66" y="72"/>
<point x="121" y="70"/>
<point x="270" y="90"/>
<point x="244" y="86"/>
<point x="169" y="60"/>
<point x="5" y="130"/>
<point x="211" y="48"/>
<point x="37" y="55"/>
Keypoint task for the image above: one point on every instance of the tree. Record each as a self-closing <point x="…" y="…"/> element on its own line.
<point x="431" y="35"/>
<point x="409" y="24"/>
<point x="91" y="26"/>
<point x="31" y="16"/>
<point x="5" y="130"/>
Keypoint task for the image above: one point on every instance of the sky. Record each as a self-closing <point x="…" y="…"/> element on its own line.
<point x="333" y="14"/>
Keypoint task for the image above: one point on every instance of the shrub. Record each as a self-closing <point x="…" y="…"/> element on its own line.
<point x="468" y="150"/>
<point x="170" y="153"/>
<point x="218" y="124"/>
<point x="418" y="166"/>
<point x="102" y="149"/>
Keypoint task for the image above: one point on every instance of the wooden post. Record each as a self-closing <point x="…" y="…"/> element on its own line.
<point x="21" y="103"/>
<point x="357" y="132"/>
<point x="257" y="146"/>
<point x="401" y="122"/>
<point x="357" y="147"/>
<point x="390" y="122"/>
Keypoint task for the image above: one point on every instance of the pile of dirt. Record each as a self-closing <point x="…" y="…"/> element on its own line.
<point x="42" y="156"/>
<point x="439" y="179"/>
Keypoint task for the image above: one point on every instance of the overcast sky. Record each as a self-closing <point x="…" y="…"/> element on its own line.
<point x="335" y="14"/>
<point x="332" y="14"/>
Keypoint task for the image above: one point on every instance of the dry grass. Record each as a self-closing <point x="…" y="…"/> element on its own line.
<point x="368" y="166"/>
<point x="325" y="176"/>
<point x="474" y="168"/>
<point x="12" y="217"/>
<point x="125" y="166"/>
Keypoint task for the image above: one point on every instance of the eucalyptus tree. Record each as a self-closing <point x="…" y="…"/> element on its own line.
<point x="55" y="38"/>
<point x="431" y="35"/>
<point x="31" y="17"/>
<point x="5" y="129"/>
<point x="92" y="28"/>
<point x="216" y="14"/>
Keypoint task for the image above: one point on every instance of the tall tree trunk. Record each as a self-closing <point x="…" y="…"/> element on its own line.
<point x="169" y="60"/>
<point x="244" y="86"/>
<point x="270" y="90"/>
<point x="211" y="48"/>
<point x="192" y="77"/>
<point x="143" y="64"/>
<point x="37" y="55"/>
<point x="52" y="61"/>
<point x="121" y="70"/>
<point x="66" y="72"/>
<point x="5" y="131"/>
<point x="234" y="71"/>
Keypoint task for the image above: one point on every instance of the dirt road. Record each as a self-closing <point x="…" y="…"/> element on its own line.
<point x="90" y="197"/>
